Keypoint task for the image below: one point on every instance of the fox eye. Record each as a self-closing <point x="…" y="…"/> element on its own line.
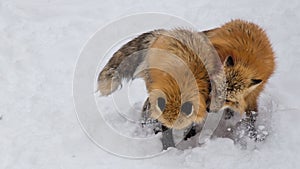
<point x="232" y="102"/>
<point x="161" y="103"/>
<point x="187" y="108"/>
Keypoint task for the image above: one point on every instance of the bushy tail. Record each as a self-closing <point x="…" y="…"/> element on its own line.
<point x="129" y="57"/>
<point x="124" y="62"/>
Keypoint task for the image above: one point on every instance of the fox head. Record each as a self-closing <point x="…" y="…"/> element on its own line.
<point x="247" y="57"/>
<point x="240" y="81"/>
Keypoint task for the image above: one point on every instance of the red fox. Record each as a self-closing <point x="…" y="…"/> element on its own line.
<point x="248" y="59"/>
<point x="175" y="74"/>
<point x="243" y="48"/>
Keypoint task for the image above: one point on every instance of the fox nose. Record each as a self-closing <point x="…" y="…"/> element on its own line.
<point x="228" y="113"/>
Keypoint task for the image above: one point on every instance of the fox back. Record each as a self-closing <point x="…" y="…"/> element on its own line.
<point x="177" y="80"/>
<point x="174" y="65"/>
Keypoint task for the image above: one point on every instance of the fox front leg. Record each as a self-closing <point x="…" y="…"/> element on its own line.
<point x="167" y="138"/>
<point x="167" y="133"/>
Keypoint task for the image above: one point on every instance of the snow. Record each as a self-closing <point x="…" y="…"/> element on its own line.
<point x="39" y="45"/>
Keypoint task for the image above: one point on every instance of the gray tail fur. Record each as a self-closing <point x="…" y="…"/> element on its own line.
<point x="124" y="62"/>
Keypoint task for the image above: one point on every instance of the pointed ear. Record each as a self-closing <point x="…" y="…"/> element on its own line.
<point x="255" y="82"/>
<point x="253" y="85"/>
<point x="229" y="61"/>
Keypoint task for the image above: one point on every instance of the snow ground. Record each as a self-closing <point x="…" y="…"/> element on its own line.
<point x="39" y="44"/>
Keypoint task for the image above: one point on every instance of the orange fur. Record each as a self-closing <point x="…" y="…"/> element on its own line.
<point x="253" y="60"/>
<point x="175" y="71"/>
<point x="173" y="64"/>
<point x="177" y="74"/>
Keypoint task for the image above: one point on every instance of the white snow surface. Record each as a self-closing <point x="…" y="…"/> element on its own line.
<point x="40" y="41"/>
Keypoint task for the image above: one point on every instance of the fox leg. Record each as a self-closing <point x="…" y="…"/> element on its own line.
<point x="167" y="137"/>
<point x="251" y="110"/>
<point x="167" y="133"/>
<point x="192" y="131"/>
<point x="147" y="120"/>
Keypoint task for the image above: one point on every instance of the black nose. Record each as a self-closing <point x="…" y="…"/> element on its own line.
<point x="228" y="113"/>
<point x="186" y="108"/>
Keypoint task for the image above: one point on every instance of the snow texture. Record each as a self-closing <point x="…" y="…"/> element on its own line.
<point x="40" y="41"/>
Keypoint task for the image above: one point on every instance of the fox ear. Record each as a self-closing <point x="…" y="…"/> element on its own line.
<point x="229" y="61"/>
<point x="255" y="82"/>
<point x="253" y="85"/>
